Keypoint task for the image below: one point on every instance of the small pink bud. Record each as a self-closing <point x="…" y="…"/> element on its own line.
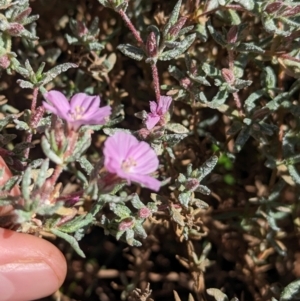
<point x="4" y="61"/>
<point x="292" y="11"/>
<point x="228" y="75"/>
<point x="185" y="82"/>
<point x="174" y="30"/>
<point x="232" y="34"/>
<point x="15" y="29"/>
<point x="144" y="133"/>
<point x="192" y="184"/>
<point x="151" y="45"/>
<point x="273" y="7"/>
<point x="144" y="212"/>
<point x="23" y="14"/>
<point x="81" y="29"/>
<point x="125" y="224"/>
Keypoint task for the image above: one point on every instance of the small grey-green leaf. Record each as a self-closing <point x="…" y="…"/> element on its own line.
<point x="217" y="294"/>
<point x="54" y="72"/>
<point x="207" y="167"/>
<point x="177" y="128"/>
<point x="218" y="37"/>
<point x="49" y="153"/>
<point x="250" y="101"/>
<point x="290" y="291"/>
<point x="132" y="51"/>
<point x="24" y="84"/>
<point x="241" y="139"/>
<point x="185" y="44"/>
<point x="247" y="4"/>
<point x="250" y="47"/>
<point x="70" y="239"/>
<point x="173" y="18"/>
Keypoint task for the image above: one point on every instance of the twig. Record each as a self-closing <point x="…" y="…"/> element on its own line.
<point x="131" y="27"/>
<point x="155" y="82"/>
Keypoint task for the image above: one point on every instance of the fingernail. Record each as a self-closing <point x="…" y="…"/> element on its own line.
<point x="26" y="281"/>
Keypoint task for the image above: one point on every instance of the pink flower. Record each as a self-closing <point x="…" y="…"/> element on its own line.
<point x="131" y="159"/>
<point x="158" y="111"/>
<point x="82" y="109"/>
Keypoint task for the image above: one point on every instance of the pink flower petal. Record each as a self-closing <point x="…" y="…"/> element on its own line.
<point x="165" y="103"/>
<point x="49" y="108"/>
<point x="151" y="121"/>
<point x="98" y="117"/>
<point x="59" y="102"/>
<point x="153" y="107"/>
<point x="145" y="157"/>
<point x="85" y="101"/>
<point x="146" y="181"/>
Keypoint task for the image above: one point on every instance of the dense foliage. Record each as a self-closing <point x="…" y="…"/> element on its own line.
<point x="156" y="143"/>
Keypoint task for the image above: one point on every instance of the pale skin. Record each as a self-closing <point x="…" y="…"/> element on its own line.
<point x="30" y="267"/>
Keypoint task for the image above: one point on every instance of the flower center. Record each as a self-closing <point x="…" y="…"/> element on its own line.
<point x="77" y="113"/>
<point x="128" y="164"/>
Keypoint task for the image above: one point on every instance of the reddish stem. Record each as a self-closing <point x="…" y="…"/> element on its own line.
<point x="34" y="99"/>
<point x="155" y="82"/>
<point x="131" y="27"/>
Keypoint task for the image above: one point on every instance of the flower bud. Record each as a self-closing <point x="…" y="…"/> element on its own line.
<point x="232" y="34"/>
<point x="273" y="7"/>
<point x="151" y="45"/>
<point x="4" y="61"/>
<point x="291" y="11"/>
<point x="125" y="224"/>
<point x="174" y="30"/>
<point x="144" y="212"/>
<point x="192" y="184"/>
<point x="228" y="75"/>
<point x="15" y="29"/>
<point x="81" y="29"/>
<point x="185" y="82"/>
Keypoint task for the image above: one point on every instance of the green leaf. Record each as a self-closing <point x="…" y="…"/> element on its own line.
<point x="85" y="164"/>
<point x="54" y="72"/>
<point x="211" y="5"/>
<point x="270" y="78"/>
<point x="291" y="291"/>
<point x="25" y="84"/>
<point x="218" y="99"/>
<point x="235" y="127"/>
<point x="21" y="125"/>
<point x="26" y="182"/>
<point x="250" y="101"/>
<point x="211" y="70"/>
<point x="77" y="223"/>
<point x="177" y="128"/>
<point x="70" y="239"/>
<point x="42" y="176"/>
<point x="199" y="79"/>
<point x="49" y="152"/>
<point x="242" y="138"/>
<point x="184" y="198"/>
<point x="247" y="4"/>
<point x="185" y="44"/>
<point x="216" y="35"/>
<point x="207" y="167"/>
<point x="294" y="173"/>
<point x="132" y="51"/>
<point x="217" y="294"/>
<point x="173" y="18"/>
<point x="250" y="47"/>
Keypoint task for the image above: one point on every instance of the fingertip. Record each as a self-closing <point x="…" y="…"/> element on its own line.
<point x="30" y="267"/>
